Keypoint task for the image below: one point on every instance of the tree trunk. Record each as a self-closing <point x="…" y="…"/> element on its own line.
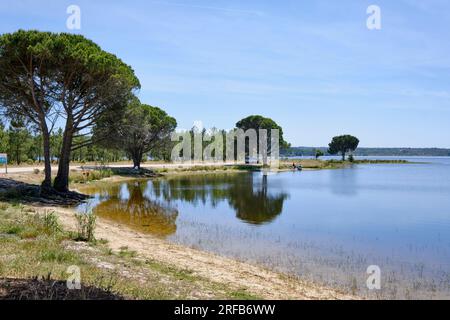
<point x="62" y="178"/>
<point x="343" y="155"/>
<point x="137" y="158"/>
<point x="47" y="183"/>
<point x="137" y="162"/>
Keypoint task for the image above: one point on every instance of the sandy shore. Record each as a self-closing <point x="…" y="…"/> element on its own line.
<point x="256" y="279"/>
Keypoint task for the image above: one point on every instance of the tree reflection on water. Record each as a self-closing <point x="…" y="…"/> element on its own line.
<point x="150" y="206"/>
<point x="247" y="194"/>
<point x="128" y="205"/>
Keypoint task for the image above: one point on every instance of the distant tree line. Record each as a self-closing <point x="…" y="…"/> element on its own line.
<point x="380" y="152"/>
<point x="254" y="122"/>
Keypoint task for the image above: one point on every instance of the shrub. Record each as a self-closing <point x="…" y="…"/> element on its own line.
<point x="13" y="230"/>
<point x="91" y="175"/>
<point x="30" y="226"/>
<point x="85" y="226"/>
<point x="56" y="255"/>
<point x="50" y="222"/>
<point x="36" y="171"/>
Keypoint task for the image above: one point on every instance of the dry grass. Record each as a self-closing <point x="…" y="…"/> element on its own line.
<point x="313" y="164"/>
<point x="35" y="253"/>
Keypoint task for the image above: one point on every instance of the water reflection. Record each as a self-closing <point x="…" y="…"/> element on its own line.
<point x="253" y="203"/>
<point x="150" y="206"/>
<point x="128" y="204"/>
<point x="247" y="194"/>
<point x="344" y="182"/>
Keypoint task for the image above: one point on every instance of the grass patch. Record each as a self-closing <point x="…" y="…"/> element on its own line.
<point x="124" y="252"/>
<point x="314" y="164"/>
<point x="91" y="175"/>
<point x="243" y="294"/>
<point x="36" y="254"/>
<point x="180" y="274"/>
<point x="58" y="255"/>
<point x="85" y="226"/>
<point x="28" y="226"/>
<point x="217" y="168"/>
<point x="333" y="164"/>
<point x="13" y="230"/>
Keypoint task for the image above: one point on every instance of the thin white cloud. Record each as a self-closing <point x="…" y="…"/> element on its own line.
<point x="222" y="9"/>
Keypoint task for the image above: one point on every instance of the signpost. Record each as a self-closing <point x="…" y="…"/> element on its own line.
<point x="4" y="160"/>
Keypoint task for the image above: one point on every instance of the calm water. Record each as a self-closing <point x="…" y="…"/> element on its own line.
<point x="328" y="225"/>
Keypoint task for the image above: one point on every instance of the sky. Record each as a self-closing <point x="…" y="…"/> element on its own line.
<point x="312" y="66"/>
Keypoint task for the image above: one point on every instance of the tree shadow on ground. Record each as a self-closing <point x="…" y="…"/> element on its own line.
<point x="26" y="193"/>
<point x="128" y="172"/>
<point x="46" y="289"/>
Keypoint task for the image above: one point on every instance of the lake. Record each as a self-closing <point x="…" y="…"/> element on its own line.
<point x="327" y="226"/>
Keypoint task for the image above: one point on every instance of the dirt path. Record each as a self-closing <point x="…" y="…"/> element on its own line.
<point x="257" y="280"/>
<point x="30" y="169"/>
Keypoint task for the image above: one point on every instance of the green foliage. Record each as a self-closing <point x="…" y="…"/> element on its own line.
<point x="19" y="141"/>
<point x="343" y="144"/>
<point x="85" y="226"/>
<point x="257" y="122"/>
<point x="56" y="140"/>
<point x="91" y="175"/>
<point x="95" y="152"/>
<point x="55" y="254"/>
<point x="319" y="153"/>
<point x="127" y="253"/>
<point x="31" y="226"/>
<point x="26" y="145"/>
<point x="4" y="139"/>
<point x="50" y="222"/>
<point x="143" y="129"/>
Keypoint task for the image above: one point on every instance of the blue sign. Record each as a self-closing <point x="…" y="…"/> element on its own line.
<point x="3" y="158"/>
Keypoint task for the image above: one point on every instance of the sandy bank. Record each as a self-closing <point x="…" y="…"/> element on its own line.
<point x="257" y="280"/>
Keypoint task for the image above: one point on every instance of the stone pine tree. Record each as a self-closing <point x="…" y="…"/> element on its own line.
<point x="257" y="122"/>
<point x="49" y="75"/>
<point x="25" y="84"/>
<point x="142" y="130"/>
<point x="343" y="145"/>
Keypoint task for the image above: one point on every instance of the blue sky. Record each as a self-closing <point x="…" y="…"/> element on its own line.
<point x="312" y="66"/>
